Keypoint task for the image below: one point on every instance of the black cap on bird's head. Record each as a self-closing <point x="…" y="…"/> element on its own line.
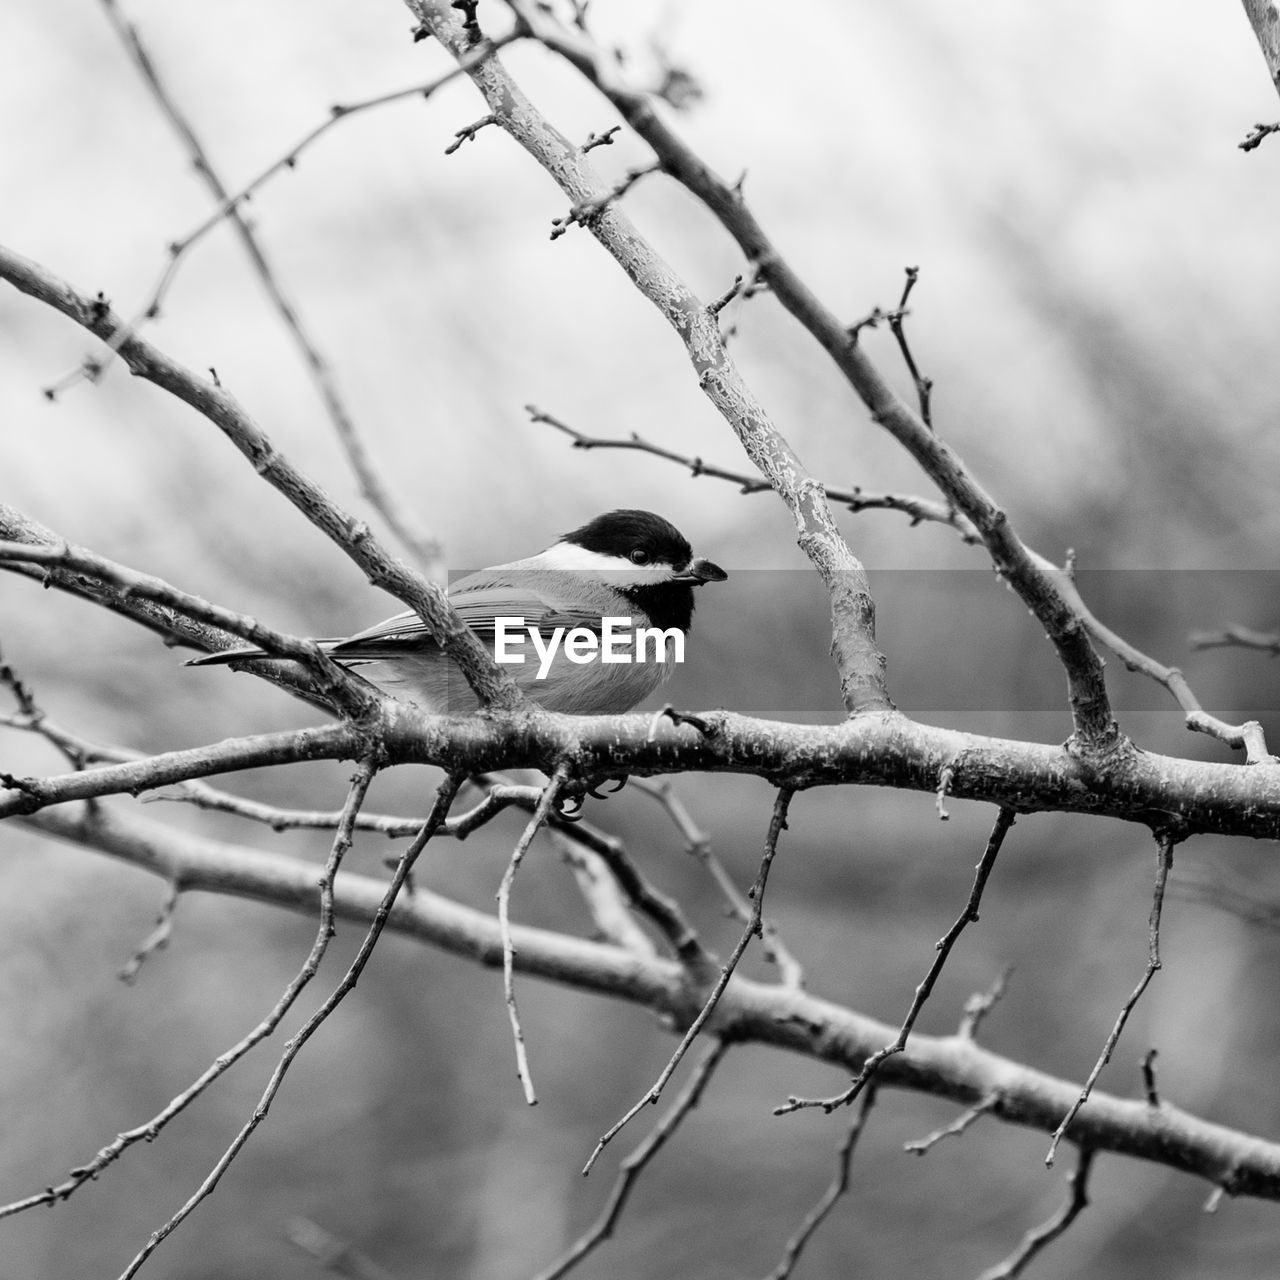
<point x="643" y="538"/>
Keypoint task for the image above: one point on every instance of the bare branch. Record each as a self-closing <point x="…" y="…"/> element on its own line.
<point x="1237" y="637"/>
<point x="854" y="499"/>
<point x="1164" y="861"/>
<point x="333" y="742"/>
<point x="426" y="549"/>
<point x="148" y="1132"/>
<point x="1046" y="1233"/>
<point x="963" y="1122"/>
<point x="468" y="133"/>
<point x="953" y="1067"/>
<point x="343" y="689"/>
<point x="698" y="844"/>
<point x="444" y="797"/>
<point x="603" y="895"/>
<point x="897" y="322"/>
<point x="1133" y="786"/>
<point x="1004" y="821"/>
<point x="634" y="1165"/>
<point x="492" y="686"/>
<point x="550" y="794"/>
<point x="1091" y="709"/>
<point x="976" y="1007"/>
<point x="662" y="911"/>
<point x="839" y="1185"/>
<point x="754" y="929"/>
<point x="93" y="369"/>
<point x="586" y="211"/>
<point x="1257" y="135"/>
<point x="1247" y="736"/>
<point x="859" y="663"/>
<point x="157" y="939"/>
<point x="1264" y="18"/>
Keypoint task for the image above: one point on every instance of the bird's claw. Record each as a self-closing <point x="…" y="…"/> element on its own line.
<point x="618" y="783"/>
<point x="574" y="797"/>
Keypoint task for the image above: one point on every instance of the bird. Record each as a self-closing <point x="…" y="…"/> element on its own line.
<point x="589" y="626"/>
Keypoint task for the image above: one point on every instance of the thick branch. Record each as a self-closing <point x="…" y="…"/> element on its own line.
<point x="1264" y="18"/>
<point x="1091" y="707"/>
<point x="492" y="686"/>
<point x="338" y="686"/>
<point x="292" y="746"/>
<point x="947" y="1066"/>
<point x="880" y="750"/>
<point x="858" y="661"/>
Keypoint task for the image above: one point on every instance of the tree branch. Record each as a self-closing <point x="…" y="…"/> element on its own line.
<point x="1091" y="708"/>
<point x="427" y="550"/>
<point x="882" y="750"/>
<point x="952" y="1067"/>
<point x="859" y="663"/>
<point x="492" y="686"/>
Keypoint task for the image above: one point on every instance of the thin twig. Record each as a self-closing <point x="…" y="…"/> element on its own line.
<point x="839" y="1185"/>
<point x="546" y="804"/>
<point x="754" y="929"/>
<point x="661" y="910"/>
<point x="897" y="325"/>
<point x="588" y="210"/>
<point x="1254" y="138"/>
<point x="1247" y="736"/>
<point x="93" y="369"/>
<point x="444" y="797"/>
<point x="977" y="1006"/>
<point x="965" y="1120"/>
<point x="609" y="908"/>
<point x="348" y="691"/>
<point x="468" y="132"/>
<point x="698" y="844"/>
<point x="157" y="939"/>
<point x="1164" y="861"/>
<point x="1236" y="637"/>
<point x="604" y="139"/>
<point x="399" y="519"/>
<point x="1004" y="820"/>
<point x="148" y="1132"/>
<point x="1047" y="1232"/>
<point x="203" y="796"/>
<point x="634" y="1165"/>
<point x="855" y="499"/>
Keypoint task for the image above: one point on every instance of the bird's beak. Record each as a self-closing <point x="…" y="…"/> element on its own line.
<point x="702" y="571"/>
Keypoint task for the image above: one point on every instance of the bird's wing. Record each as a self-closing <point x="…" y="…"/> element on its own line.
<point x="542" y="600"/>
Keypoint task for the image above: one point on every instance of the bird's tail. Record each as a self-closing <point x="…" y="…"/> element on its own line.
<point x="223" y="656"/>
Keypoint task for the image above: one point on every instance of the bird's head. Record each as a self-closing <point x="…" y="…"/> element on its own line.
<point x="631" y="547"/>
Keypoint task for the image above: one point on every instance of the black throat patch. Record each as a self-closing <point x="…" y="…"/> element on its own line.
<point x="668" y="604"/>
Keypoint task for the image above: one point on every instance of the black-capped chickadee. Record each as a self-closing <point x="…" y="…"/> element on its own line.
<point x="591" y="626"/>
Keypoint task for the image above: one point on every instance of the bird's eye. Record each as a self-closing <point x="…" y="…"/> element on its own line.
<point x="639" y="556"/>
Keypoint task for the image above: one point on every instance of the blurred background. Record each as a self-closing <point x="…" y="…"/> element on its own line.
<point x="1098" y="308"/>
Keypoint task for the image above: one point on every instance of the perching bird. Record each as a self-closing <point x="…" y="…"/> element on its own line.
<point x="591" y="626"/>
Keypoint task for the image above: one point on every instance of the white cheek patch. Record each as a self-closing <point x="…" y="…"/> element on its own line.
<point x="571" y="558"/>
